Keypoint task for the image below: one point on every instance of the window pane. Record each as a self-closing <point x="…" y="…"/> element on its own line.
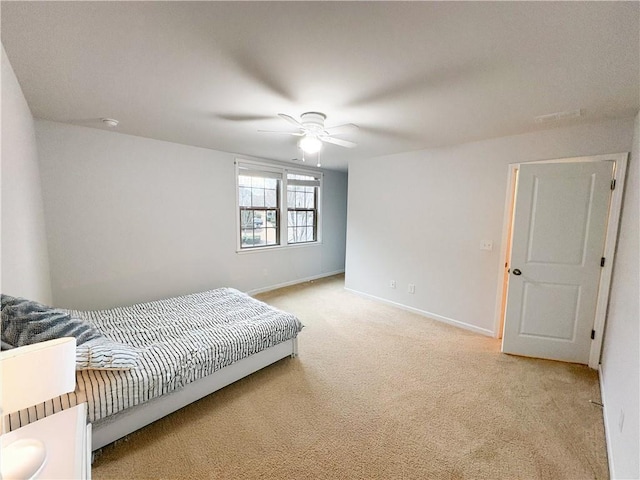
<point x="244" y="181"/>
<point x="272" y="218"/>
<point x="245" y="196"/>
<point x="291" y="197"/>
<point x="246" y="218"/>
<point x="309" y="200"/>
<point x="290" y="235"/>
<point x="310" y="219"/>
<point x="309" y="234"/>
<point x="271" y="183"/>
<point x="301" y="218"/>
<point x="271" y="198"/>
<point x="291" y="219"/>
<point x="247" y="237"/>
<point x="258" y="219"/>
<point x="259" y="238"/>
<point x="257" y="197"/>
<point x="257" y="182"/>
<point x="299" y="199"/>
<point x="271" y="236"/>
<point x="296" y="235"/>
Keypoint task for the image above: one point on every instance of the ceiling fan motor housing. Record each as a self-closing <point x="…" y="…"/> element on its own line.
<point x="313" y="121"/>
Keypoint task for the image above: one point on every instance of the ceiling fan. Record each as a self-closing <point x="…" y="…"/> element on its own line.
<point x="313" y="132"/>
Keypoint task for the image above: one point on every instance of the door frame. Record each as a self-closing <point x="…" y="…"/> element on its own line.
<point x="620" y="170"/>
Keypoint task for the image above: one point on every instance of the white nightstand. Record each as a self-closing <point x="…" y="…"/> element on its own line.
<point x="67" y="437"/>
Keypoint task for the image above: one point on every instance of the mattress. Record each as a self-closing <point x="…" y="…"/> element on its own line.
<point x="178" y="340"/>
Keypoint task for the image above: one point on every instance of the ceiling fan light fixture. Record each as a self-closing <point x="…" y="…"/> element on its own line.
<point x="310" y="144"/>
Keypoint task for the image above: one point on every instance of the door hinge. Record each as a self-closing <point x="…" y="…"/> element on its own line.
<point x="593" y="334"/>
<point x="602" y="260"/>
<point x="613" y="184"/>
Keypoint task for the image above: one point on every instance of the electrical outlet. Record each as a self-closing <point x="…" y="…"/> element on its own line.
<point x="392" y="284"/>
<point x="412" y="288"/>
<point x="621" y="420"/>
<point x="486" y="245"/>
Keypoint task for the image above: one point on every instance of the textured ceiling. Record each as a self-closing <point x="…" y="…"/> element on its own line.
<point x="411" y="75"/>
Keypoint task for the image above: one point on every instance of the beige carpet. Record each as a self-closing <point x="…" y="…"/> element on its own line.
<point x="378" y="393"/>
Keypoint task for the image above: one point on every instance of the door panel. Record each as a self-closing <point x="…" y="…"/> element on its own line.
<point x="558" y="238"/>
<point x="560" y="204"/>
<point x="549" y="310"/>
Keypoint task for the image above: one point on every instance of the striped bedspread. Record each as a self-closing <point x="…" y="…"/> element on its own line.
<point x="179" y="340"/>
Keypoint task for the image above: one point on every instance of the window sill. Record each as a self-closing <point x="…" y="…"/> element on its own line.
<point x="277" y="247"/>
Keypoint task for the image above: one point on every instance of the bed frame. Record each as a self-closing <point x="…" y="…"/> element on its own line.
<point x="110" y="429"/>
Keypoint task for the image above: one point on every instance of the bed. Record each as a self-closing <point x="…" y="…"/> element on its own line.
<point x="153" y="358"/>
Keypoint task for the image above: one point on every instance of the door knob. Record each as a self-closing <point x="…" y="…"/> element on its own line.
<point x="517" y="272"/>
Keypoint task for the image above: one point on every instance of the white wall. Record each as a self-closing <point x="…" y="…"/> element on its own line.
<point x="131" y="219"/>
<point x="620" y="359"/>
<point x="24" y="256"/>
<point x="419" y="218"/>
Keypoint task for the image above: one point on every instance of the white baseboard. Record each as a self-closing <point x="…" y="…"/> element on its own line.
<point x="293" y="282"/>
<point x="607" y="435"/>
<point x="424" y="313"/>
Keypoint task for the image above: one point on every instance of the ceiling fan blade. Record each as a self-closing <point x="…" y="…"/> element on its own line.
<point x="297" y="134"/>
<point x="291" y="120"/>
<point x="342" y="129"/>
<point x="338" y="141"/>
<point x="242" y="118"/>
<point x="257" y="69"/>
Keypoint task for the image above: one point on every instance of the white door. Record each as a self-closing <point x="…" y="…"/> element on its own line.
<point x="559" y="230"/>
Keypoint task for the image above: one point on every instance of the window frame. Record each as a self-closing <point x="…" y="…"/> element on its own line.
<point x="316" y="197"/>
<point x="282" y="208"/>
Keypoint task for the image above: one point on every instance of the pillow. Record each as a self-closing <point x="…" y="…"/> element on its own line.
<point x="105" y="354"/>
<point x="25" y="322"/>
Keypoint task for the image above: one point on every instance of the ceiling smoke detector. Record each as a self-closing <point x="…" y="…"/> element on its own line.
<point x="110" y="122"/>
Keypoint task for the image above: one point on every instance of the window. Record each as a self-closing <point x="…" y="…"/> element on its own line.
<point x="261" y="200"/>
<point x="302" y="208"/>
